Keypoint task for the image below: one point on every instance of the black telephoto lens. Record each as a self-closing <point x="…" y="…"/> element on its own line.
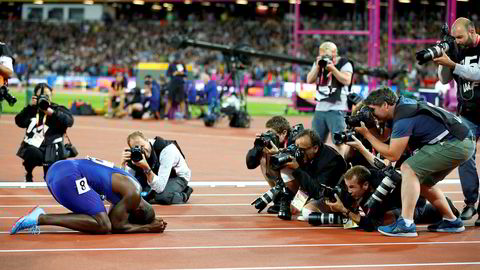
<point x="136" y="154"/>
<point x="382" y="191"/>
<point x="317" y="218"/>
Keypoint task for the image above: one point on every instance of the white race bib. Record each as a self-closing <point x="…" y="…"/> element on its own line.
<point x="82" y="185"/>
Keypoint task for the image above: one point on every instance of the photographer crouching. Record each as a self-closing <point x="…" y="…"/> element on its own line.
<point x="279" y="134"/>
<point x="45" y="123"/>
<point x="160" y="167"/>
<point x="333" y="76"/>
<point x="6" y="71"/>
<point x="315" y="166"/>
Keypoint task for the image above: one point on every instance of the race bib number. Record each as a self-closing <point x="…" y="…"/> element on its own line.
<point x="101" y="162"/>
<point x="299" y="200"/>
<point x="35" y="135"/>
<point x="82" y="185"/>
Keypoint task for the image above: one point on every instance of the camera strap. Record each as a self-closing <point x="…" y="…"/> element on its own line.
<point x="43" y="124"/>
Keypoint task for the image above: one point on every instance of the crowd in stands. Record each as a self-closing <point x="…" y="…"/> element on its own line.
<point x="104" y="48"/>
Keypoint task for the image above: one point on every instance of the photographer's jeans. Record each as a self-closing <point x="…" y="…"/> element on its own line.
<point x="468" y="170"/>
<point x="328" y="121"/>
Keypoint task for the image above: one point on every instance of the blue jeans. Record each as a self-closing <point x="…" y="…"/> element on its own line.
<point x="468" y="170"/>
<point x="329" y="121"/>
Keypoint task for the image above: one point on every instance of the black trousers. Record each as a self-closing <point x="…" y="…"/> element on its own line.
<point x="176" y="191"/>
<point x="34" y="157"/>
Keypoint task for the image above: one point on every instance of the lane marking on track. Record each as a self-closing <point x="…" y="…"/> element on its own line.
<point x="237" y="247"/>
<point x="311" y="228"/>
<point x="337" y="266"/>
<point x="154" y="205"/>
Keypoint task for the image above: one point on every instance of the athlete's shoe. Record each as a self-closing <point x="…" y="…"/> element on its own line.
<point x="399" y="228"/>
<point x="447" y="226"/>
<point x="29" y="221"/>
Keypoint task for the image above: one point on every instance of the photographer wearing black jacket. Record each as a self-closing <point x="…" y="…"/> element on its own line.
<point x="361" y="183"/>
<point x="160" y="167"/>
<point x="314" y="164"/>
<point x="466" y="72"/>
<point x="278" y="135"/>
<point x="45" y="123"/>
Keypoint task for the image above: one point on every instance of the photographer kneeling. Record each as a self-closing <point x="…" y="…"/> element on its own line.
<point x="279" y="134"/>
<point x="45" y="123"/>
<point x="315" y="165"/>
<point x="160" y="167"/>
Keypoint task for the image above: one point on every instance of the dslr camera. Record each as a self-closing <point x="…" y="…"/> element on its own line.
<point x="365" y="115"/>
<point x="344" y="136"/>
<point x="285" y="155"/>
<point x="265" y="138"/>
<point x="324" y="61"/>
<point x="43" y="102"/>
<point x="447" y="44"/>
<point x="261" y="202"/>
<point x="4" y="94"/>
<point x="329" y="192"/>
<point x="136" y="153"/>
<point x="391" y="178"/>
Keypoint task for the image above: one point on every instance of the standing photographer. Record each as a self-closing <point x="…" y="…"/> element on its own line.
<point x="467" y="75"/>
<point x="45" y="123"/>
<point x="333" y="76"/>
<point x="160" y="167"/>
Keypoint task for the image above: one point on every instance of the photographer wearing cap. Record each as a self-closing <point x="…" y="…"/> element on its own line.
<point x="466" y="72"/>
<point x="277" y="136"/>
<point x="314" y="163"/>
<point x="160" y="167"/>
<point x="441" y="142"/>
<point x="45" y="123"/>
<point x="333" y="76"/>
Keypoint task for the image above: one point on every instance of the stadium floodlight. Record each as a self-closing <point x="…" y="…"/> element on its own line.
<point x="424" y="2"/>
<point x="404" y="1"/>
<point x="293" y="2"/>
<point x="88" y="2"/>
<point x="38" y="2"/>
<point x="462" y="0"/>
<point x="349" y="1"/>
<point x="241" y="2"/>
<point x="138" y="2"/>
<point x="187" y="2"/>
<point x="156" y="7"/>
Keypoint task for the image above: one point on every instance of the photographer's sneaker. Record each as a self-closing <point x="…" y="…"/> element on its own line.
<point x="447" y="226"/>
<point x="29" y="221"/>
<point x="399" y="228"/>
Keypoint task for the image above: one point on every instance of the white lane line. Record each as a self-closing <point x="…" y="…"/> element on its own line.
<point x="237" y="247"/>
<point x="336" y="266"/>
<point x="194" y="216"/>
<point x="154" y="205"/>
<point x="193" y="195"/>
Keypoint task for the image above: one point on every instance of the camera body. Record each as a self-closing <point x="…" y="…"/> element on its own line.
<point x="324" y="61"/>
<point x="261" y="202"/>
<point x="285" y="155"/>
<point x="344" y="136"/>
<point x="296" y="129"/>
<point x="265" y="138"/>
<point x="364" y="115"/>
<point x="447" y="44"/>
<point x="4" y="94"/>
<point x="329" y="192"/>
<point x="136" y="153"/>
<point x="43" y="102"/>
<point x="70" y="151"/>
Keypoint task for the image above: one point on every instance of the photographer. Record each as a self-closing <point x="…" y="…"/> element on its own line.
<point x="160" y="167"/>
<point x="6" y="71"/>
<point x="278" y="135"/>
<point x="441" y="142"/>
<point x="45" y="123"/>
<point x="316" y="164"/>
<point x="333" y="76"/>
<point x="361" y="184"/>
<point x="466" y="72"/>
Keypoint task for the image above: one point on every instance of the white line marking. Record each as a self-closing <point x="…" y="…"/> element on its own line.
<point x="193" y="195"/>
<point x="193" y="184"/>
<point x="336" y="266"/>
<point x="194" y="216"/>
<point x="237" y="247"/>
